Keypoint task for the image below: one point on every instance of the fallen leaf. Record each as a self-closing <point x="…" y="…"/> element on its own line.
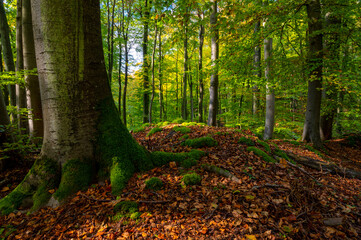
<point x="251" y="237"/>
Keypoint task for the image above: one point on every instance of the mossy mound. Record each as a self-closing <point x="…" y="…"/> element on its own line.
<point x="192" y="179"/>
<point x="162" y="158"/>
<point x="265" y="145"/>
<point x="247" y="141"/>
<point x="261" y="153"/>
<point x="178" y="121"/>
<point x="154" y="130"/>
<point x="154" y="183"/>
<point x="182" y="129"/>
<point x="189" y="162"/>
<point x="200" y="142"/>
<point x="185" y="136"/>
<point x="126" y="209"/>
<point x="163" y="124"/>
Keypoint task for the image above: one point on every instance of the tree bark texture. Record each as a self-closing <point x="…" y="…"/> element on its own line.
<point x="7" y="52"/>
<point x="36" y="129"/>
<point x="270" y="96"/>
<point x="257" y="70"/>
<point x="145" y="64"/>
<point x="311" y="129"/>
<point x="213" y="88"/>
<point x="84" y="138"/>
<point x="185" y="67"/>
<point x="160" y="75"/>
<point x="200" y="72"/>
<point x="153" y="73"/>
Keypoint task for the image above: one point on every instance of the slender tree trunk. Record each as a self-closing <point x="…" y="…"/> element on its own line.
<point x="213" y="89"/>
<point x="200" y="72"/>
<point x="4" y="117"/>
<point x="191" y="94"/>
<point x="23" y="123"/>
<point x="120" y="68"/>
<point x="111" y="43"/>
<point x="31" y="79"/>
<point x="85" y="139"/>
<point x="185" y="68"/>
<point x="270" y="97"/>
<point x="311" y="129"/>
<point x="161" y="106"/>
<point x="257" y="70"/>
<point x="125" y="81"/>
<point x="153" y="73"/>
<point x="7" y="53"/>
<point x="145" y="64"/>
<point x="176" y="80"/>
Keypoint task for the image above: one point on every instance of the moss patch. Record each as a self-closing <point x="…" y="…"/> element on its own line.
<point x="182" y="129"/>
<point x="154" y="130"/>
<point x="247" y="141"/>
<point x="184" y="137"/>
<point x="121" y="171"/>
<point x="76" y="175"/>
<point x="153" y="183"/>
<point x="200" y="142"/>
<point x="265" y="145"/>
<point x="126" y="209"/>
<point x="261" y="153"/>
<point x="192" y="179"/>
<point x="189" y="162"/>
<point x="162" y="158"/>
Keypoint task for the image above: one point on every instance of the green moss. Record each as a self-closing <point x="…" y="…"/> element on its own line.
<point x="282" y="154"/>
<point x="247" y="141"/>
<point x="121" y="171"/>
<point x="139" y="129"/>
<point x="126" y="209"/>
<point x="154" y="130"/>
<point x="163" y="124"/>
<point x="135" y="215"/>
<point x="265" y="145"/>
<point x="182" y="129"/>
<point x="41" y="196"/>
<point x="162" y="158"/>
<point x="76" y="175"/>
<point x="184" y="137"/>
<point x="178" y="121"/>
<point x="308" y="147"/>
<point x="154" y="183"/>
<point x="261" y="153"/>
<point x="200" y="142"/>
<point x="189" y="162"/>
<point x="295" y="143"/>
<point x="193" y="124"/>
<point x="192" y="179"/>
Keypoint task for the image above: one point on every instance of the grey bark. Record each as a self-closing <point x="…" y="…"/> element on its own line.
<point x="23" y="124"/>
<point x="200" y="71"/>
<point x="270" y="96"/>
<point x="213" y="88"/>
<point x="32" y="81"/>
<point x="7" y="53"/>
<point x="311" y="129"/>
<point x="257" y="70"/>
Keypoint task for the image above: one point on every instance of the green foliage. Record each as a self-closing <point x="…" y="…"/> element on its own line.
<point x="154" y="130"/>
<point x="127" y="209"/>
<point x="192" y="179"/>
<point x="193" y="124"/>
<point x="284" y="133"/>
<point x="247" y="141"/>
<point x="182" y="129"/>
<point x="265" y="145"/>
<point x="162" y="124"/>
<point x="178" y="121"/>
<point x="189" y="162"/>
<point x="261" y="153"/>
<point x="154" y="183"/>
<point x="200" y="142"/>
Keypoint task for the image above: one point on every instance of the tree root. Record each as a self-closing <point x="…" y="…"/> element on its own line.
<point x="221" y="172"/>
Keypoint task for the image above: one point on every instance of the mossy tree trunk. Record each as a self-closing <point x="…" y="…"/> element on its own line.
<point x="84" y="139"/>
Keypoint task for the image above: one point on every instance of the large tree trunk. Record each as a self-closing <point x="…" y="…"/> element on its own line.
<point x="23" y="123"/>
<point x="145" y="64"/>
<point x="270" y="97"/>
<point x="311" y="129"/>
<point x="7" y="53"/>
<point x="31" y="79"/>
<point x="84" y="138"/>
<point x="213" y="88"/>
<point x="200" y="69"/>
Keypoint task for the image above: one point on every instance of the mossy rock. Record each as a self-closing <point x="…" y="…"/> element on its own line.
<point x="261" y="153"/>
<point x="265" y="145"/>
<point x="200" y="142"/>
<point x="192" y="179"/>
<point x="154" y="130"/>
<point x="189" y="162"/>
<point x="247" y="141"/>
<point x="182" y="129"/>
<point x="154" y="183"/>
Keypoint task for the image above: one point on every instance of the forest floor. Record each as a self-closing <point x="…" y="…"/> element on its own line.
<point x="271" y="200"/>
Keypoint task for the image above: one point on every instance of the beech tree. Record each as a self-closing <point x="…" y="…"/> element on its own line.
<point x="84" y="138"/>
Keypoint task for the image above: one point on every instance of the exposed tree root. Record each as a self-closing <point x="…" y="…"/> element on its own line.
<point x="221" y="172"/>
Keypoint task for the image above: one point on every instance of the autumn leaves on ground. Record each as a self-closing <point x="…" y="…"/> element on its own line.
<point x="255" y="199"/>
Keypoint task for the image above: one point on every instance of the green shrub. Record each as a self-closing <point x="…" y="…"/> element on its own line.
<point x="154" y="183"/>
<point x="189" y="162"/>
<point x="154" y="130"/>
<point x="191" y="179"/>
<point x="261" y="153"/>
<point x="265" y="145"/>
<point x="247" y="141"/>
<point x="200" y="142"/>
<point x="182" y="129"/>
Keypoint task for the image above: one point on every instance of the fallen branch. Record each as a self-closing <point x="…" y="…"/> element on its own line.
<point x="321" y="166"/>
<point x="221" y="171"/>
